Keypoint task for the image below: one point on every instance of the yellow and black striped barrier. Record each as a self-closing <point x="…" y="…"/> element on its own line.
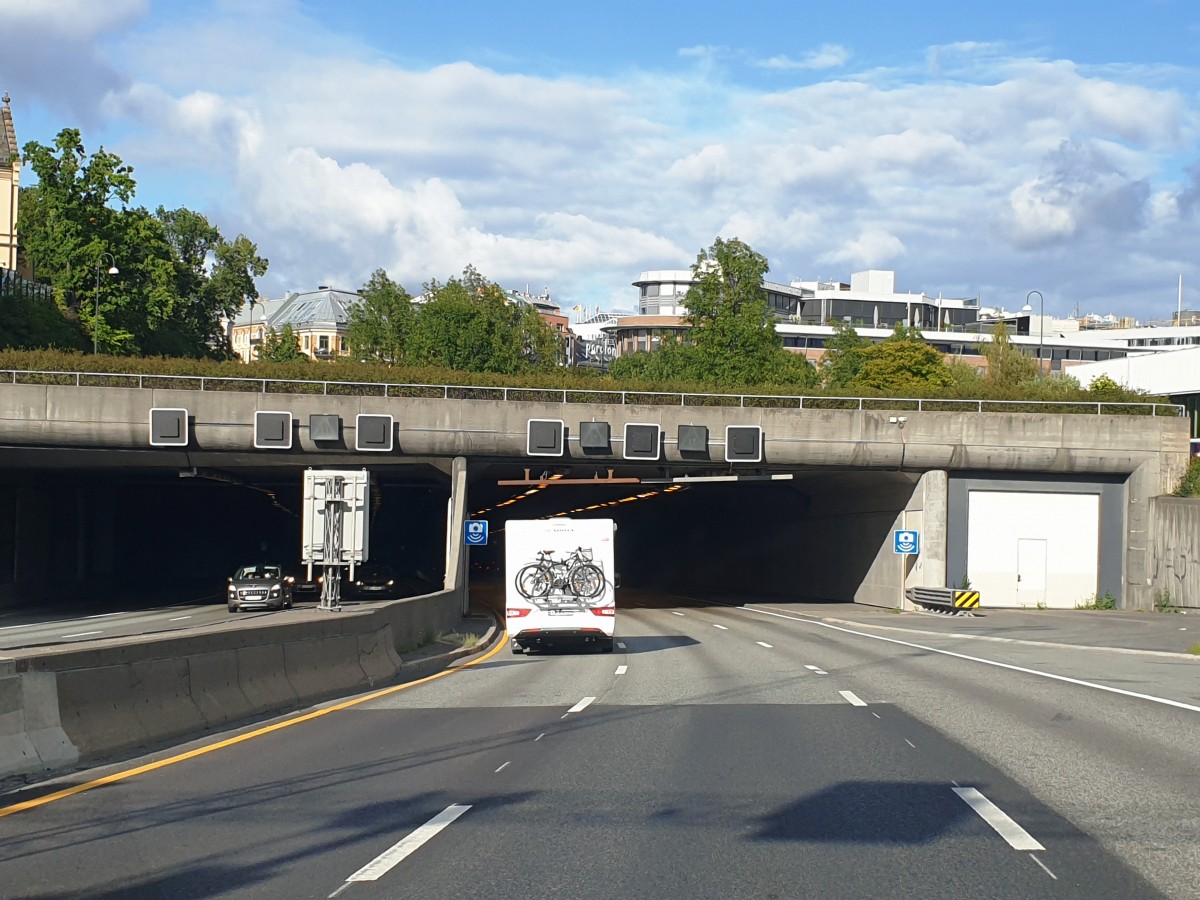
<point x="966" y="599"/>
<point x="944" y="599"/>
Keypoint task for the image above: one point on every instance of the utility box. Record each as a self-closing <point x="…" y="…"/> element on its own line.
<point x="743" y="443"/>
<point x="595" y="437"/>
<point x="272" y="430"/>
<point x="334" y="520"/>
<point x="642" y="441"/>
<point x="373" y="433"/>
<point x="693" y="439"/>
<point x="324" y="428"/>
<point x="168" y="427"/>
<point x="544" y="437"/>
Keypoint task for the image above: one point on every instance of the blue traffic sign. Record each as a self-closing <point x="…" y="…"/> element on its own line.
<point x="477" y="532"/>
<point x="907" y="542"/>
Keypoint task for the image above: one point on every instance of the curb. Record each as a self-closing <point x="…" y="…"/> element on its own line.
<point x="450" y="657"/>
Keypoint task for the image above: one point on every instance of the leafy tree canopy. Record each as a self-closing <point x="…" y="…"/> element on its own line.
<point x="282" y="347"/>
<point x="380" y="328"/>
<point x="177" y="274"/>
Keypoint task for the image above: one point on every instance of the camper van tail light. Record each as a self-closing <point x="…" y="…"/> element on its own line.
<point x="517" y="613"/>
<point x="604" y="610"/>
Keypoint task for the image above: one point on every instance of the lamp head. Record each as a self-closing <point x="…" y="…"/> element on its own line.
<point x="113" y="270"/>
<point x="1027" y="308"/>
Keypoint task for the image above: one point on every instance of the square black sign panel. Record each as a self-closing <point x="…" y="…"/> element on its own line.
<point x="168" y="427"/>
<point x="642" y="441"/>
<point x="693" y="438"/>
<point x="324" y="428"/>
<point x="373" y="433"/>
<point x="544" y="437"/>
<point x="743" y="443"/>
<point x="595" y="437"/>
<point x="272" y="430"/>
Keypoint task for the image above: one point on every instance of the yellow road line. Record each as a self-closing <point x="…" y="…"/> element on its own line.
<point x="229" y="742"/>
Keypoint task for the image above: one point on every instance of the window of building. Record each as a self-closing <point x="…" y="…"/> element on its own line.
<point x="323" y="343"/>
<point x="652" y="290"/>
<point x="306" y="342"/>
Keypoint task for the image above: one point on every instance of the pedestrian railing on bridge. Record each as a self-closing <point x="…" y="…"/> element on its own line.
<point x="574" y="395"/>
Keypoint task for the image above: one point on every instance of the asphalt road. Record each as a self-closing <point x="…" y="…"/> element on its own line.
<point x="720" y="753"/>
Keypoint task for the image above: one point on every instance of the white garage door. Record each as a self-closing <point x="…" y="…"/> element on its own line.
<point x="1025" y="548"/>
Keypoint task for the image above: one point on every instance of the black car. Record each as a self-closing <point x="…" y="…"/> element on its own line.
<point x="372" y="582"/>
<point x="259" y="587"/>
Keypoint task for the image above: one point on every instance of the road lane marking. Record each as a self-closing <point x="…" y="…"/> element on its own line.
<point x="1018" y="838"/>
<point x="621" y="670"/>
<point x="258" y="732"/>
<point x="722" y="627"/>
<point x="504" y="766"/>
<point x="910" y="743"/>
<point x="386" y="861"/>
<point x="82" y="634"/>
<point x="987" y="662"/>
<point x="581" y="705"/>
<point x="676" y="613"/>
<point x="178" y="618"/>
<point x="620" y="646"/>
<point x="877" y="715"/>
<point x="852" y="698"/>
<point x="539" y="737"/>
<point x="1044" y="866"/>
<point x="816" y="670"/>
<point x="763" y="644"/>
<point x="26" y="625"/>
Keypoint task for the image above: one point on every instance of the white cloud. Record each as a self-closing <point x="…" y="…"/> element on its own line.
<point x="828" y="56"/>
<point x="338" y="162"/>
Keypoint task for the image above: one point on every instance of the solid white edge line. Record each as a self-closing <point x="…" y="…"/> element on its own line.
<point x="388" y="859"/>
<point x="986" y="662"/>
<point x="1018" y="838"/>
<point x="852" y="698"/>
<point x="82" y="634"/>
<point x="763" y="644"/>
<point x="722" y="627"/>
<point x="621" y="670"/>
<point x="581" y="705"/>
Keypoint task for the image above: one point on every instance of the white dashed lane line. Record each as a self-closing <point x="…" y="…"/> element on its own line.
<point x="509" y="763"/>
<point x="1018" y="838"/>
<point x="539" y="737"/>
<point x="581" y="705"/>
<point x="390" y="858"/>
<point x="763" y="644"/>
<point x="722" y="627"/>
<point x="179" y="618"/>
<point x="852" y="698"/>
<point x="816" y="670"/>
<point x="674" y="613"/>
<point x="82" y="634"/>
<point x="621" y="670"/>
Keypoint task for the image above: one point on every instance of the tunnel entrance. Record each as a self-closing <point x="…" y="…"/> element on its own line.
<point x="812" y="538"/>
<point x="91" y="540"/>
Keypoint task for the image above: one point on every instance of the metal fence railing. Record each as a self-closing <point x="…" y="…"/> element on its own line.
<point x="573" y="395"/>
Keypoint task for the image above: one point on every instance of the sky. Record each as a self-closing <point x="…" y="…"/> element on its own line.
<point x="976" y="149"/>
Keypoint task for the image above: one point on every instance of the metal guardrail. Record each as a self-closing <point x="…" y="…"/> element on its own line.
<point x="572" y="395"/>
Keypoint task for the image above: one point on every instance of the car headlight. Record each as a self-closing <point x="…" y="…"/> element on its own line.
<point x="390" y="583"/>
<point x="290" y="579"/>
<point x="358" y="584"/>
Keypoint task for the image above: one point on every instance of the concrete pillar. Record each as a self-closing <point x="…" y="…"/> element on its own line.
<point x="890" y="573"/>
<point x="457" y="569"/>
<point x="1139" y="539"/>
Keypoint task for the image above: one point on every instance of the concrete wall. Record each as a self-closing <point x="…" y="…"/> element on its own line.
<point x="112" y="697"/>
<point x="891" y="573"/>
<point x="1175" y="549"/>
<point x="95" y="418"/>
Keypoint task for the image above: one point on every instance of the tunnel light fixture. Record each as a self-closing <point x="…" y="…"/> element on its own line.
<point x="544" y="437"/>
<point x="373" y="433"/>
<point x="272" y="430"/>
<point x="743" y="443"/>
<point x="168" y="427"/>
<point x="642" y="441"/>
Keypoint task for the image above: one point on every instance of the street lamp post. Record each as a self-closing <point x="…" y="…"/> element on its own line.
<point x="259" y="340"/>
<point x="112" y="270"/>
<point x="1041" y="331"/>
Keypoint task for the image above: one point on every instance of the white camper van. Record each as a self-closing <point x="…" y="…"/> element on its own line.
<point x="559" y="583"/>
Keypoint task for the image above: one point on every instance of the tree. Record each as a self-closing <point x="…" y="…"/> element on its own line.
<point x="177" y="277"/>
<point x="904" y="362"/>
<point x="1007" y="367"/>
<point x="845" y="354"/>
<point x="381" y="326"/>
<point x="731" y="340"/>
<point x="282" y="347"/>
<point x="467" y="324"/>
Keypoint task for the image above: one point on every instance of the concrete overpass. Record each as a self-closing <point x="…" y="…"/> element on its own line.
<point x="883" y="463"/>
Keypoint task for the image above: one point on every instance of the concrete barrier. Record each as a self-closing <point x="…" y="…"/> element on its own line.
<point x="70" y="703"/>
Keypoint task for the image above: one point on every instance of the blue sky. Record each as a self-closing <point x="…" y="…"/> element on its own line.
<point x="974" y="148"/>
